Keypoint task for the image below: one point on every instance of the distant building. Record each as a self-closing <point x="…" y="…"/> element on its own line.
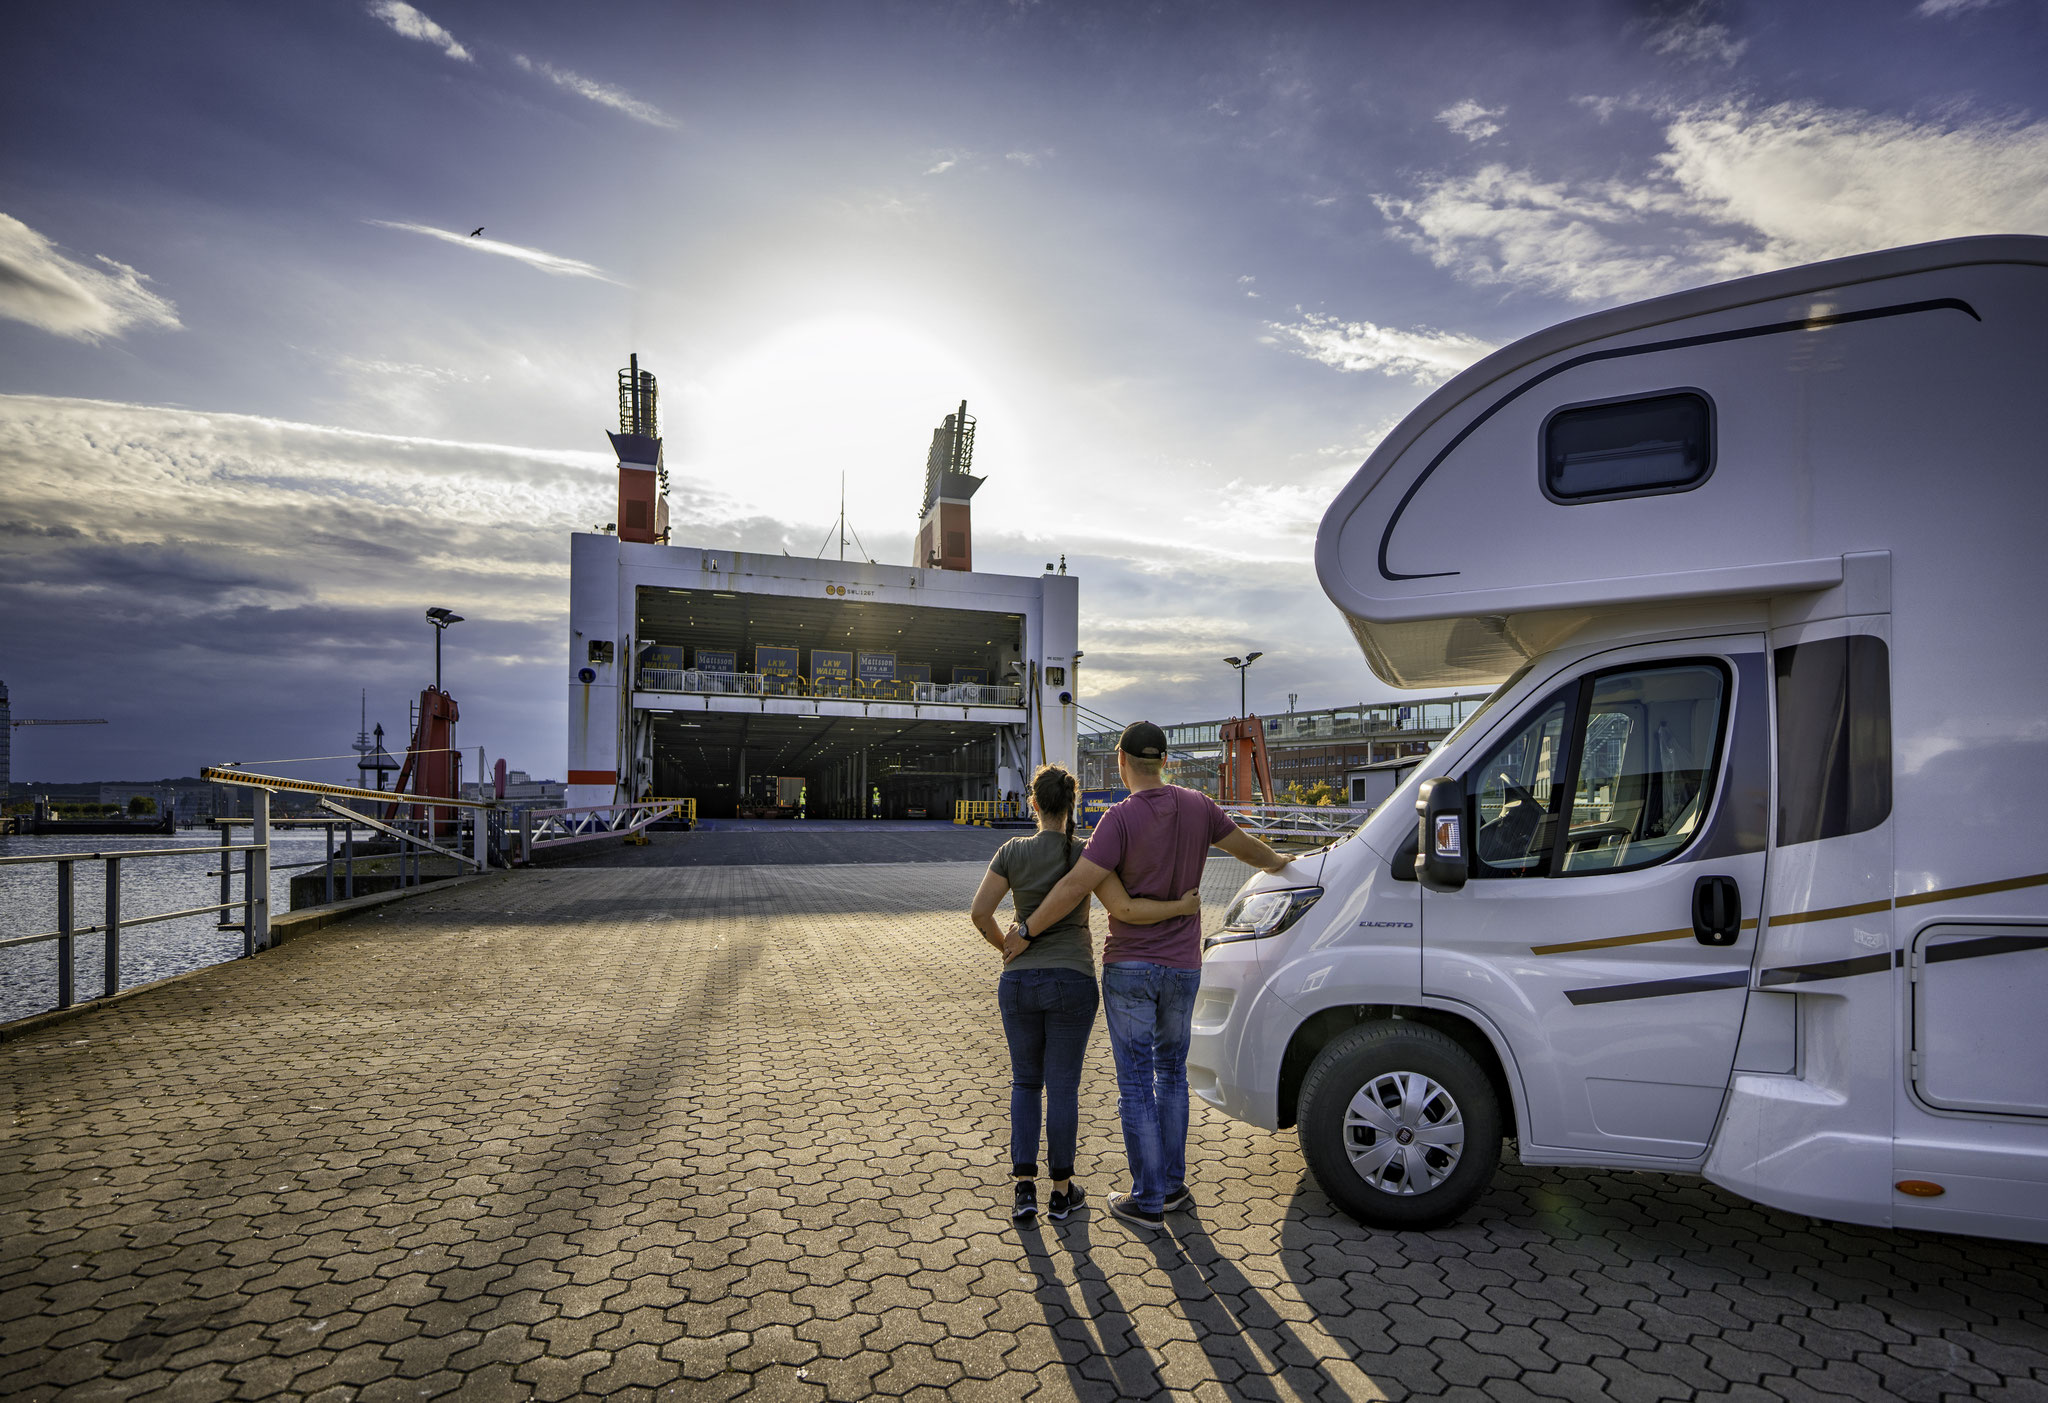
<point x="199" y="804"/>
<point x="522" y="788"/>
<point x="1306" y="748"/>
<point x="160" y="796"/>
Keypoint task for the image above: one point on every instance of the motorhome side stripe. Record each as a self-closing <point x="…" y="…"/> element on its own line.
<point x="1985" y="945"/>
<point x="1658" y="988"/>
<point x="1921" y="898"/>
<point x="1903" y="309"/>
<point x="1611" y="941"/>
<point x="1795" y="918"/>
<point x="1831" y="969"/>
<point x="1808" y="974"/>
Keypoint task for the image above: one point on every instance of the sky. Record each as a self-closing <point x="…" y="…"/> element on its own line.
<point x="263" y="400"/>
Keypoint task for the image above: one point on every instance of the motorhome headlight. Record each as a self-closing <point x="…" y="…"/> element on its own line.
<point x="1256" y="915"/>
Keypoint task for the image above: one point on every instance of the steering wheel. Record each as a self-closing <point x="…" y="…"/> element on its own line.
<point x="1516" y="792"/>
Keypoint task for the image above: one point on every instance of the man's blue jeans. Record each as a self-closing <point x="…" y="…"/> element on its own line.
<point x="1149" y="1009"/>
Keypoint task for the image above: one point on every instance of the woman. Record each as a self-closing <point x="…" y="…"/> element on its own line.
<point x="1048" y="994"/>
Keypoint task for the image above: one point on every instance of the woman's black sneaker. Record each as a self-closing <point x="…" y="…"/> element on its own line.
<point x="1125" y="1206"/>
<point x="1027" y="1200"/>
<point x="1064" y="1203"/>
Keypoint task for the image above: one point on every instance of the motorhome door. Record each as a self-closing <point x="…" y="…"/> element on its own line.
<point x="1617" y="827"/>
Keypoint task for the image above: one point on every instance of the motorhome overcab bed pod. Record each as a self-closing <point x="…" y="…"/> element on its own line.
<point x="1743" y="869"/>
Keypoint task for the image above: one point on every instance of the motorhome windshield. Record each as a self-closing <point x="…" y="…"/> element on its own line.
<point x="1458" y="730"/>
<point x="1491" y="697"/>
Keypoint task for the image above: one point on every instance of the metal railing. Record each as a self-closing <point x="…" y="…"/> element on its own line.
<point x="1294" y="820"/>
<point x="254" y="902"/>
<point x="982" y="812"/>
<point x="687" y="812"/>
<point x="544" y="829"/>
<point x="754" y="684"/>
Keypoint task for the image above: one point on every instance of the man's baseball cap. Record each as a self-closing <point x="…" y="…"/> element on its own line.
<point x="1143" y="740"/>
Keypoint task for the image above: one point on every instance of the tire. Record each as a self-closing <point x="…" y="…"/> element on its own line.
<point x="1379" y="1082"/>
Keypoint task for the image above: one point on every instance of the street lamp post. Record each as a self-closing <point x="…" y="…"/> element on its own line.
<point x="1242" y="664"/>
<point x="440" y="618"/>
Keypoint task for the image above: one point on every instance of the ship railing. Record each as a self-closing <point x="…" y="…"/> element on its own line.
<point x="755" y="684"/>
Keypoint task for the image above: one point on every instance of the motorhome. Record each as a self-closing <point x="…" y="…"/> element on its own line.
<point x="1742" y="870"/>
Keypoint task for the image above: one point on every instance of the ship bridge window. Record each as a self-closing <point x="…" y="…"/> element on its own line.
<point x="1628" y="448"/>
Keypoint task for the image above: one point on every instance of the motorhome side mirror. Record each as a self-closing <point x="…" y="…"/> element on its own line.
<point x="1440" y="835"/>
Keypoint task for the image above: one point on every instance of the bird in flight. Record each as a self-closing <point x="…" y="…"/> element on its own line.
<point x="477" y="232"/>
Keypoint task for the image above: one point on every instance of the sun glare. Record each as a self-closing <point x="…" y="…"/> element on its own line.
<point x="780" y="422"/>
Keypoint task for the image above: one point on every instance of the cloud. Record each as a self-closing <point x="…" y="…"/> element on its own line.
<point x="1736" y="190"/>
<point x="1424" y="354"/>
<point x="533" y="257"/>
<point x="941" y="167"/>
<point x="601" y="93"/>
<point x="411" y="370"/>
<point x="294" y="559"/>
<point x="414" y="25"/>
<point x="42" y="287"/>
<point x="1688" y="35"/>
<point x="1029" y="159"/>
<point x="1471" y="121"/>
<point x="1949" y="9"/>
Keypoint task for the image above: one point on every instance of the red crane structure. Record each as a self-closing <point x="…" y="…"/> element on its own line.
<point x="432" y="764"/>
<point x="1247" y="774"/>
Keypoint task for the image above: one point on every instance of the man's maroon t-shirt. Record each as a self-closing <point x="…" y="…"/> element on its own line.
<point x="1156" y="841"/>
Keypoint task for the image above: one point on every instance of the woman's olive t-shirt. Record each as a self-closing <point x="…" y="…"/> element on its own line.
<point x="1033" y="866"/>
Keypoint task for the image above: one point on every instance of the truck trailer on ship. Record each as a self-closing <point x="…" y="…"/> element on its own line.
<point x="1743" y="869"/>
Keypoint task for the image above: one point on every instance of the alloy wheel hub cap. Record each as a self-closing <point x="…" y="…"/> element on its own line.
<point x="1404" y="1133"/>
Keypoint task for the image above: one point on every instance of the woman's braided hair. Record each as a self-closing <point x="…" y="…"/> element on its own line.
<point x="1056" y="792"/>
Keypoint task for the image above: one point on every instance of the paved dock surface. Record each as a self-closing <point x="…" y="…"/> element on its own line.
<point x="708" y="1132"/>
<point x="733" y="843"/>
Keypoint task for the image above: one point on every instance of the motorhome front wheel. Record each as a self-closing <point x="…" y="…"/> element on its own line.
<point x="1399" y="1125"/>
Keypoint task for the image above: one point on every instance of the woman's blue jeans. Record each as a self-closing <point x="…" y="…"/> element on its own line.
<point x="1047" y="1015"/>
<point x="1150" y="1010"/>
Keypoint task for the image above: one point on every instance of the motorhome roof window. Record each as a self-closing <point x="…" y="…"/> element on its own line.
<point x="1628" y="448"/>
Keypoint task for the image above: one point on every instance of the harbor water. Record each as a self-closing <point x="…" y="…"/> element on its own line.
<point x="28" y="906"/>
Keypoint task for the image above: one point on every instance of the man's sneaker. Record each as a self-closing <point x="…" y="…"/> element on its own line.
<point x="1064" y="1203"/>
<point x="1125" y="1206"/>
<point x="1027" y="1200"/>
<point x="1177" y="1200"/>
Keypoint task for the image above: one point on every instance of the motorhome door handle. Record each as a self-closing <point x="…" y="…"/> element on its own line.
<point x="1716" y="911"/>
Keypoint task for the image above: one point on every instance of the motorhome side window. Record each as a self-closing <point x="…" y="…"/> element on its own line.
<point x="1645" y="770"/>
<point x="1628" y="448"/>
<point x="1636" y="750"/>
<point x="1834" y="738"/>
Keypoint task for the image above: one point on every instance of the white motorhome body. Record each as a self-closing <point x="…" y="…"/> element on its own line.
<point x="1744" y="869"/>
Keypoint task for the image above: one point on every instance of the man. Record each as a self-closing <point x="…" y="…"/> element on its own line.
<point x="1156" y="841"/>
